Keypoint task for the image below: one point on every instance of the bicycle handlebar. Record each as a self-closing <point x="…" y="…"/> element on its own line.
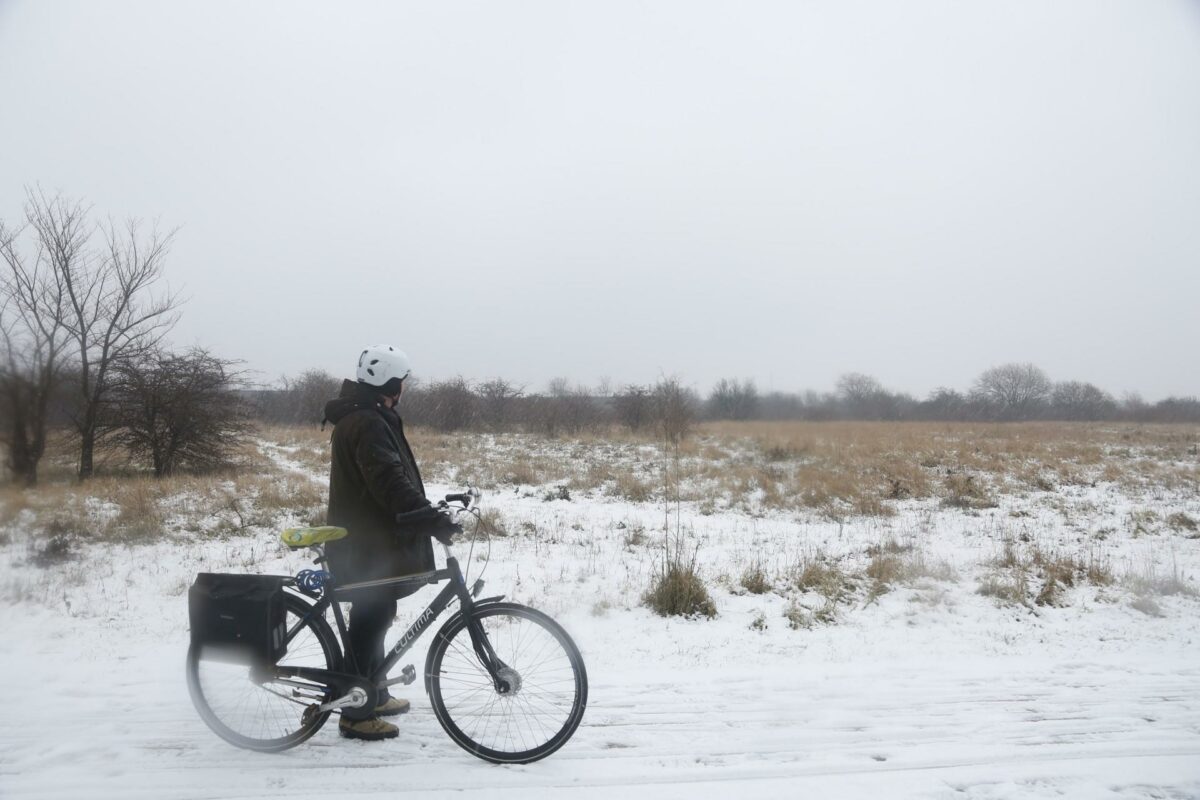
<point x="468" y="498"/>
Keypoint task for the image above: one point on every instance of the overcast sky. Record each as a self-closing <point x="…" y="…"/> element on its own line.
<point x="780" y="191"/>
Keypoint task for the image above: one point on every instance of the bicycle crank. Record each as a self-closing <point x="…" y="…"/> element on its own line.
<point x="355" y="698"/>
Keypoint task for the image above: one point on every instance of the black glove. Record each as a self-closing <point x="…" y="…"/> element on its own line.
<point x="444" y="528"/>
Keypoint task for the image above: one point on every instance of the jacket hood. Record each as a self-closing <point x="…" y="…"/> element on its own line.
<point x="353" y="397"/>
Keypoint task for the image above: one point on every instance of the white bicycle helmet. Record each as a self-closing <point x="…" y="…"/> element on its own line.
<point x="381" y="363"/>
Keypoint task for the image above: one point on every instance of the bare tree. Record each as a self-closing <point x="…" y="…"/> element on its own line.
<point x="1075" y="400"/>
<point x="178" y="410"/>
<point x="498" y="402"/>
<point x="565" y="409"/>
<point x="447" y="405"/>
<point x="299" y="400"/>
<point x="633" y="407"/>
<point x="1012" y="391"/>
<point x="112" y="314"/>
<point x="674" y="410"/>
<point x="733" y="399"/>
<point x="33" y="337"/>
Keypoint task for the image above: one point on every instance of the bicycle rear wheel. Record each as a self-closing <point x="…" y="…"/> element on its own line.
<point x="544" y="670"/>
<point x="265" y="715"/>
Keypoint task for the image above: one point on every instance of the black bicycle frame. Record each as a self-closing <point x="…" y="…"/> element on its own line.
<point x="456" y="588"/>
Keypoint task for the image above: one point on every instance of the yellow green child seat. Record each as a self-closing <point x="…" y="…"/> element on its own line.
<point x="307" y="537"/>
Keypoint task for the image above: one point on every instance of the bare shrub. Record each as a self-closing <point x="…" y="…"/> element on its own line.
<point x="178" y="410"/>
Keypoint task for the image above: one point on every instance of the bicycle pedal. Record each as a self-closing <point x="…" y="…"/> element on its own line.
<point x="408" y="674"/>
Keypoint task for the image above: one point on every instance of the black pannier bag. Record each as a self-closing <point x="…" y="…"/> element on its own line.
<point x="239" y="617"/>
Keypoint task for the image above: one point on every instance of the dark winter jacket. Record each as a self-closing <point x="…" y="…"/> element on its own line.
<point x="372" y="478"/>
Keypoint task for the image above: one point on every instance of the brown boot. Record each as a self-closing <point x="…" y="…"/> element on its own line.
<point x="372" y="730"/>
<point x="393" y="707"/>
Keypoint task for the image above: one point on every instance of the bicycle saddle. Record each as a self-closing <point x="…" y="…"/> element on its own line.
<point x="307" y="537"/>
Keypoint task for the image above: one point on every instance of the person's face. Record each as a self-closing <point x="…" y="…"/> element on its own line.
<point x="394" y="400"/>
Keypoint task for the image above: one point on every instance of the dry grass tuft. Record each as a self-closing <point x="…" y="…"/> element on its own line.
<point x="1011" y="588"/>
<point x="754" y="580"/>
<point x="679" y="591"/>
<point x="1149" y="581"/>
<point x="825" y="577"/>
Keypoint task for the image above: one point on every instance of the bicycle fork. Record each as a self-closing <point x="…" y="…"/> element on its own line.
<point x="504" y="677"/>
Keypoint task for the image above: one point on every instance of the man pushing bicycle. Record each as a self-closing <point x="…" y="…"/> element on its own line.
<point x="373" y="477"/>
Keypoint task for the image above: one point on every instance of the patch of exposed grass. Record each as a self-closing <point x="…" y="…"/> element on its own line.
<point x="628" y="486"/>
<point x="561" y="492"/>
<point x="1147" y="606"/>
<point x="1018" y="566"/>
<point x="966" y="492"/>
<point x="799" y="616"/>
<point x="1182" y="522"/>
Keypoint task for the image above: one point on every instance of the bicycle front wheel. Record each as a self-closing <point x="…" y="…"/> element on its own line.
<point x="545" y="685"/>
<point x="266" y="715"/>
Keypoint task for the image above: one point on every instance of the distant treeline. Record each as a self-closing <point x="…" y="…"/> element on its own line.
<point x="1010" y="392"/>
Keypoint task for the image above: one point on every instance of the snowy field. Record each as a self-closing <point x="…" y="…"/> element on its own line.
<point x="1035" y="643"/>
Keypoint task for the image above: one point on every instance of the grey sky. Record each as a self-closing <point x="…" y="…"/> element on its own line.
<point x="783" y="191"/>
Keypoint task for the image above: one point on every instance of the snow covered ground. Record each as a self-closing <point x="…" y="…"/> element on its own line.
<point x="919" y="688"/>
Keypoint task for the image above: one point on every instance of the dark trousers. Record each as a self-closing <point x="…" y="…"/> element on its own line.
<point x="369" y="623"/>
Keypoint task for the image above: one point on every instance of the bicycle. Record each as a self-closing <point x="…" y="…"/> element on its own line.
<point x="505" y="681"/>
